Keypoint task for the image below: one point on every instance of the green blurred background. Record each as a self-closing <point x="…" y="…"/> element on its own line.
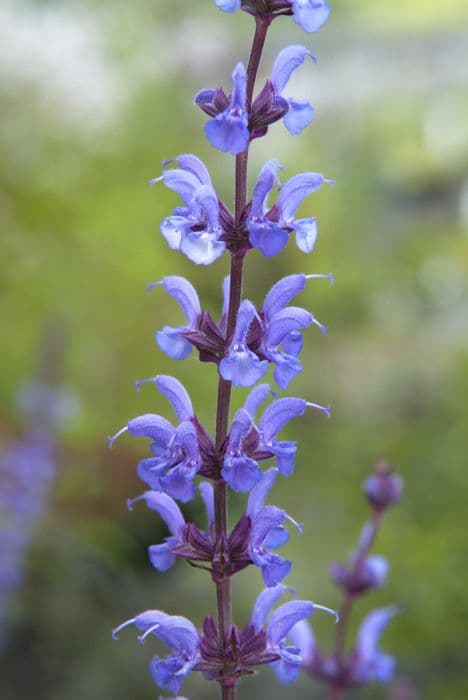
<point x="95" y="95"/>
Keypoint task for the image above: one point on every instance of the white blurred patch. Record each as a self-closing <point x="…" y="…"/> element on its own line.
<point x="59" y="53"/>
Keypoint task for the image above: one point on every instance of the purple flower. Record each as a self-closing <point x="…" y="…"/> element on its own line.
<point x="176" y="452"/>
<point x="195" y="228"/>
<point x="272" y="335"/>
<point x="368" y="662"/>
<point x="228" y="5"/>
<point x="274" y="418"/>
<point x="300" y="113"/>
<point x="268" y="532"/>
<point x="269" y="229"/>
<point x="281" y="622"/>
<point x="310" y="14"/>
<point x="282" y="325"/>
<point x="161" y="555"/>
<point x="241" y="366"/>
<point x="248" y="444"/>
<point x="171" y="340"/>
<point x="228" y="130"/>
<point x="179" y="634"/>
<point x="233" y="122"/>
<point x="360" y="576"/>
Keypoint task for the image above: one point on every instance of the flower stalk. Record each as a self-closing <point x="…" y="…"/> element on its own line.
<point x="186" y="460"/>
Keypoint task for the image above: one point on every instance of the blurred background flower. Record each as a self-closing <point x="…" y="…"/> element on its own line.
<point x="94" y="96"/>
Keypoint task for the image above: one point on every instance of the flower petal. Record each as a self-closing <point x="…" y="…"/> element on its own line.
<point x="177" y="396"/>
<point x="255" y="398"/>
<point x="267" y="236"/>
<point x="287" y="61"/>
<point x="173" y="229"/>
<point x="242" y="367"/>
<point x="283" y="322"/>
<point x="173" y="343"/>
<point x="161" y="556"/>
<point x="302" y="637"/>
<point x="295" y="190"/>
<point x="241" y="472"/>
<point x="185" y="295"/>
<point x="306" y="233"/>
<point x="310" y="14"/>
<point x="260" y="492"/>
<point x="263" y="604"/>
<point x="183" y="182"/>
<point x="282" y="293"/>
<point x="367" y="650"/>
<point x="192" y="164"/>
<point x="228" y="132"/>
<point x="277" y="414"/>
<point x="202" y="248"/>
<point x="266" y="518"/>
<point x="299" y="116"/>
<point x="152" y="426"/>
<point x="285" y="617"/>
<point x="265" y="183"/>
<point x="228" y="5"/>
<point x="167" y="508"/>
<point x="206" y="491"/>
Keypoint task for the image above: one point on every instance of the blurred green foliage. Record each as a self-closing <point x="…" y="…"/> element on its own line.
<point x="95" y="95"/>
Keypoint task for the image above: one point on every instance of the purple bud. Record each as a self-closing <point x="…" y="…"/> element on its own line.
<point x="384" y="488"/>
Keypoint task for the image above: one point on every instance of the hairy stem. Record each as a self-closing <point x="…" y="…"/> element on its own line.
<point x="223" y="588"/>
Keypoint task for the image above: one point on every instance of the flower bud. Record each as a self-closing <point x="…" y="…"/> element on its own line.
<point x="371" y="573"/>
<point x="384" y="487"/>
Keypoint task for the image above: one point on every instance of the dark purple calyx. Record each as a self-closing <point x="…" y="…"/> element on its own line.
<point x="225" y="661"/>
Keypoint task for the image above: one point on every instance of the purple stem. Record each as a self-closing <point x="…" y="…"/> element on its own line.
<point x="223" y="588"/>
<point x="363" y="550"/>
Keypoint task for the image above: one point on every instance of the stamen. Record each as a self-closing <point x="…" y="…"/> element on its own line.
<point x="155" y="180"/>
<point x="113" y="438"/>
<point x="139" y="382"/>
<point x="329" y="276"/>
<point x="131" y="501"/>
<point x="116" y="630"/>
<point x="142" y="637"/>
<point x="152" y="285"/>
<point x="324" y="409"/>
<point x="329" y="611"/>
<point x="329" y="182"/>
<point x="317" y="323"/>
<point x="297" y="525"/>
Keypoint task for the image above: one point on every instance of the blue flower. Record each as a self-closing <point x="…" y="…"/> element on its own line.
<point x="176" y="452"/>
<point x="228" y="130"/>
<point x="282" y="325"/>
<point x="228" y="5"/>
<point x="268" y="532"/>
<point x="269" y="228"/>
<point x="368" y="663"/>
<point x="247" y="443"/>
<point x="195" y="228"/>
<point x="281" y="622"/>
<point x="241" y="366"/>
<point x="234" y="122"/>
<point x="179" y="634"/>
<point x="300" y="112"/>
<point x="274" y="418"/>
<point x="310" y="14"/>
<point x="161" y="555"/>
<point x="171" y="340"/>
